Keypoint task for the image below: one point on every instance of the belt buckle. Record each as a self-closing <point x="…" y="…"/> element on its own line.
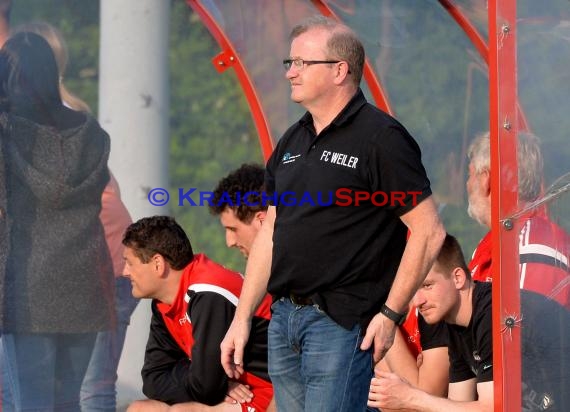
<point x="300" y="301"/>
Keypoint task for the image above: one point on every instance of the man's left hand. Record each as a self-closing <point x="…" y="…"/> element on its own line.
<point x="381" y="332"/>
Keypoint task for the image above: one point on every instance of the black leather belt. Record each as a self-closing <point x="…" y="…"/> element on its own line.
<point x="300" y="301"/>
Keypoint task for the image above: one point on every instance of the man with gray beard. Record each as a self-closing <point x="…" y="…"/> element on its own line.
<point x="544" y="247"/>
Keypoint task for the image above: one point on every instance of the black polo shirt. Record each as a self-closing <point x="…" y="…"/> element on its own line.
<point x="326" y="247"/>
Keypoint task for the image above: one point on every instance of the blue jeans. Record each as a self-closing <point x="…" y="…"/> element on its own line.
<point x="98" y="392"/>
<point x="314" y="363"/>
<point x="43" y="372"/>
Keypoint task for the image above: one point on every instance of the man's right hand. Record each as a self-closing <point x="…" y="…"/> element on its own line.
<point x="233" y="347"/>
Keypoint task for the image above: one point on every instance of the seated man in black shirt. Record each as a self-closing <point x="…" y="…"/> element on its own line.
<point x="449" y="294"/>
<point x="419" y="354"/>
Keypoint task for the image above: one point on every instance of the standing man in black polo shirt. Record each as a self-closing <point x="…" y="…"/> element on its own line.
<point x="331" y="252"/>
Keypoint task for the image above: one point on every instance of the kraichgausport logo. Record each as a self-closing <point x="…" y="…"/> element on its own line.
<point x="341" y="197"/>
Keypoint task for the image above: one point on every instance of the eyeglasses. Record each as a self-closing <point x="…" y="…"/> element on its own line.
<point x="300" y="63"/>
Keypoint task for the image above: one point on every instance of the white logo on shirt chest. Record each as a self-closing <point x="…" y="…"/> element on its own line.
<point x="289" y="158"/>
<point x="341" y="159"/>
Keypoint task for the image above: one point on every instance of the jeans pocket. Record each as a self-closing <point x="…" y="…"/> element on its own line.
<point x="274" y="304"/>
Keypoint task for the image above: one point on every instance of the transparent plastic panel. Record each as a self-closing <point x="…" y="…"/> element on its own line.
<point x="543" y="213"/>
<point x="259" y="30"/>
<point x="57" y="277"/>
<point x="476" y="11"/>
<point x="437" y="85"/>
<point x="212" y="132"/>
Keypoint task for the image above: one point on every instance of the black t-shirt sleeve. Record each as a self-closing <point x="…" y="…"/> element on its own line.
<point x="459" y="369"/>
<point x="471" y="348"/>
<point x="168" y="375"/>
<point x="166" y="365"/>
<point x="396" y="168"/>
<point x="271" y="168"/>
<point x="432" y="336"/>
<point x="211" y="315"/>
<point x="483" y="336"/>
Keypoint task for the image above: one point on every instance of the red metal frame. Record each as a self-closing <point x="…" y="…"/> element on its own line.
<point x="469" y="29"/>
<point x="503" y="122"/>
<point x="374" y="85"/>
<point x="228" y="57"/>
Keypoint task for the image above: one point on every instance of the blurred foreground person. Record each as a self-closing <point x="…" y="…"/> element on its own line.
<point x="98" y="392"/>
<point x="56" y="284"/>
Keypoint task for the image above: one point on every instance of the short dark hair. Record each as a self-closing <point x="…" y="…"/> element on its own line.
<point x="159" y="234"/>
<point x="451" y="257"/>
<point x="249" y="177"/>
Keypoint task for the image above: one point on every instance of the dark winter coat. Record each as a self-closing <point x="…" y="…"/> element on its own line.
<point x="55" y="270"/>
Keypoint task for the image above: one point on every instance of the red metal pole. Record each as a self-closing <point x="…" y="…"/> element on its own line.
<point x="504" y="187"/>
<point x="227" y="58"/>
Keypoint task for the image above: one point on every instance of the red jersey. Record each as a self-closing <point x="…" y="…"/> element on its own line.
<point x="411" y="332"/>
<point x="182" y="359"/>
<point x="203" y="275"/>
<point x="480" y="265"/>
<point x="544" y="252"/>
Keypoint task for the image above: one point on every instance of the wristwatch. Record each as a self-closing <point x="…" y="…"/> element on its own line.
<point x="395" y="317"/>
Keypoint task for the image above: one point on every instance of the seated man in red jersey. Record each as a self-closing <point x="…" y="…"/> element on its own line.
<point x="544" y="247"/>
<point x="194" y="301"/>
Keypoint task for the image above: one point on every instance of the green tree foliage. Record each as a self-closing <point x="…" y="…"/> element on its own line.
<point x="211" y="129"/>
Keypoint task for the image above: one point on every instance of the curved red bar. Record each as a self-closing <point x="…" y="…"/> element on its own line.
<point x="230" y="58"/>
<point x="479" y="43"/>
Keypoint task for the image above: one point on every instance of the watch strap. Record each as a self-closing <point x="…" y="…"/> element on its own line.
<point x="395" y="317"/>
